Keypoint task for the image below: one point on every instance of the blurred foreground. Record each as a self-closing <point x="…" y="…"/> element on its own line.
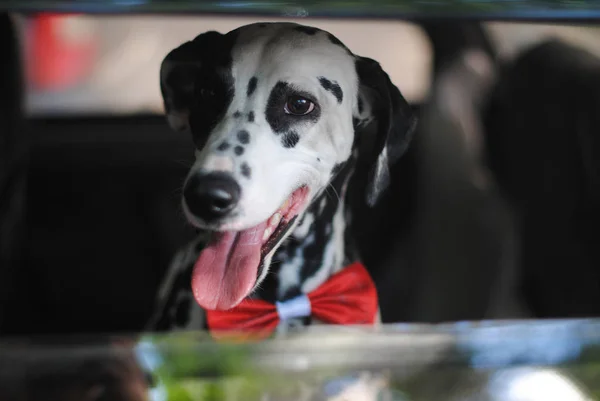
<point x="509" y="361"/>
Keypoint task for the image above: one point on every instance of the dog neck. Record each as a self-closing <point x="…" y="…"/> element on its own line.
<point x="318" y="246"/>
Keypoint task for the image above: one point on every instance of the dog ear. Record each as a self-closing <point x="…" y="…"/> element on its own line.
<point x="178" y="73"/>
<point x="381" y="104"/>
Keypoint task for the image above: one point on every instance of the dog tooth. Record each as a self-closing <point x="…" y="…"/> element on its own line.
<point x="267" y="234"/>
<point x="275" y="219"/>
<point x="285" y="204"/>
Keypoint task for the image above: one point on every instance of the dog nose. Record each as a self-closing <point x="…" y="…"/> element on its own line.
<point x="211" y="196"/>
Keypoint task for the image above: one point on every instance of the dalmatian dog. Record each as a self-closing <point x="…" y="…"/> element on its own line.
<point x="279" y="113"/>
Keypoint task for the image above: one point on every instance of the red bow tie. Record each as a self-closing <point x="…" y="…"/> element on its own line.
<point x="349" y="297"/>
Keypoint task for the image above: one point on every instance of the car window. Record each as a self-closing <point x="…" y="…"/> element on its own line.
<point x="84" y="64"/>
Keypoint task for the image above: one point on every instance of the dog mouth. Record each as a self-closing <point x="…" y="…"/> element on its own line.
<point x="227" y="269"/>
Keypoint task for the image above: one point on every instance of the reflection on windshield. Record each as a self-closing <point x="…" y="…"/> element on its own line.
<point x="531" y="384"/>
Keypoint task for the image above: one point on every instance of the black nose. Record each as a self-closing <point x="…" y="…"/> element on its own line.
<point x="211" y="196"/>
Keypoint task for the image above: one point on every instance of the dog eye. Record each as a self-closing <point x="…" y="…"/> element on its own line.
<point x="298" y="106"/>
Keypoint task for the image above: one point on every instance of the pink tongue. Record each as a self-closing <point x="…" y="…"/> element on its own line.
<point x="226" y="270"/>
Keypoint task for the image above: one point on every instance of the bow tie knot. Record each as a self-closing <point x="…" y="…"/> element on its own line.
<point x="349" y="297"/>
<point x="294" y="308"/>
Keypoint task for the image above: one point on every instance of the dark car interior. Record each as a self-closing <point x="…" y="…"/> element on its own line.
<point x="90" y="215"/>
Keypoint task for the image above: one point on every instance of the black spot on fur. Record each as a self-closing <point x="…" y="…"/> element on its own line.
<point x="336" y="169"/>
<point x="309" y="30"/>
<point x="335" y="40"/>
<point x="338" y="42"/>
<point x="262" y="25"/>
<point x="290" y="139"/>
<point x="224" y="146"/>
<point x="360" y="105"/>
<point x="244" y="137"/>
<point x="251" y="86"/>
<point x="246" y="171"/>
<point x="251" y="117"/>
<point x="239" y="150"/>
<point x="277" y="118"/>
<point x="333" y="87"/>
<point x="237" y="114"/>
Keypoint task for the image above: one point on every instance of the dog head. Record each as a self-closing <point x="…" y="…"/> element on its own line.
<point x="274" y="110"/>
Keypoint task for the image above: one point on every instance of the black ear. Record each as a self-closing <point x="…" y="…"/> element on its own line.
<point x="381" y="103"/>
<point x="178" y="74"/>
